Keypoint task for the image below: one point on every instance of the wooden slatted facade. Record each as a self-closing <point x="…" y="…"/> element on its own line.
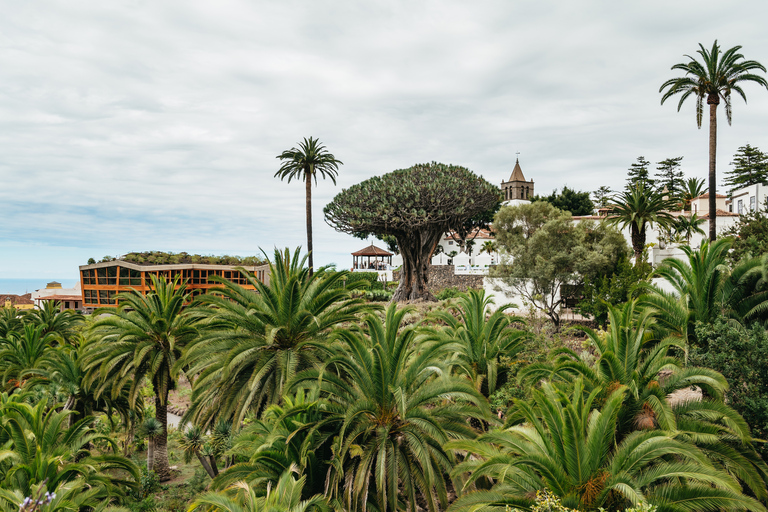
<point x="101" y="282"/>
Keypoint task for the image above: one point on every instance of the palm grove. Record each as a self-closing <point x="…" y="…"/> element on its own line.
<point x="306" y="396"/>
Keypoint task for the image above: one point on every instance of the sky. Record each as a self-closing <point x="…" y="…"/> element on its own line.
<point x="142" y="125"/>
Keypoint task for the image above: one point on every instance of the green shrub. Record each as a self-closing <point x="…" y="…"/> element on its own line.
<point x="379" y="296"/>
<point x="448" y="293"/>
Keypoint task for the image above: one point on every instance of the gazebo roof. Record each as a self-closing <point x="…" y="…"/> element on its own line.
<point x="372" y="250"/>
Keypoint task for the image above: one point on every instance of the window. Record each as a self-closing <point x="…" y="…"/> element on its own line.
<point x="130" y="277"/>
<point x="91" y="297"/>
<point x="741" y="206"/>
<point x="89" y="276"/>
<point x="107" y="296"/>
<point x="752" y="203"/>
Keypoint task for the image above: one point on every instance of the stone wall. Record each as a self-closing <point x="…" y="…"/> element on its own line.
<point x="442" y="277"/>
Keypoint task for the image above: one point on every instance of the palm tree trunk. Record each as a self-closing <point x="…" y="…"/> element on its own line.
<point x="308" y="180"/>
<point x="638" y="243"/>
<point x="150" y="455"/>
<point x="713" y="100"/>
<point x="206" y="466"/>
<point x="162" y="468"/>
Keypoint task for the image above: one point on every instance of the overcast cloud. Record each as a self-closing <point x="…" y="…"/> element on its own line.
<point x="145" y="125"/>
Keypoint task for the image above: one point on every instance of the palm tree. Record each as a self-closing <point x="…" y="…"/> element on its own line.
<point x="63" y="324"/>
<point x="690" y="190"/>
<point x="639" y="208"/>
<point x="714" y="78"/>
<point x="151" y="428"/>
<point x="23" y="353"/>
<point x="689" y="226"/>
<point x="253" y="342"/>
<point x="240" y="497"/>
<point x="481" y="339"/>
<point x="566" y="442"/>
<point x="143" y="339"/>
<point x="10" y="321"/>
<point x="39" y="447"/>
<point x="397" y="407"/>
<point x="305" y="163"/>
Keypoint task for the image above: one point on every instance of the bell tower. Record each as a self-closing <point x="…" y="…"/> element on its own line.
<point x="517" y="188"/>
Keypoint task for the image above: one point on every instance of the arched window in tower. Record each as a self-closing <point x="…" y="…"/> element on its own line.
<point x="526" y="192"/>
<point x="521" y="193"/>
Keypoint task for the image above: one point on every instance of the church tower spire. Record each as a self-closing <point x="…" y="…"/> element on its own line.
<point x="517" y="188"/>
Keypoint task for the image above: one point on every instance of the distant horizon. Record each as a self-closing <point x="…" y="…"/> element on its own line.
<point x="22" y="285"/>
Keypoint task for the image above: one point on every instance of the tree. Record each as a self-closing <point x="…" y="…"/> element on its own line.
<point x="638" y="174"/>
<point x="254" y="342"/>
<point x="689" y="226"/>
<point x="481" y="339"/>
<point x="750" y="235"/>
<point x="398" y="407"/>
<point x="22" y="353"/>
<point x="153" y="429"/>
<point x="545" y="251"/>
<point x="601" y="291"/>
<point x="602" y="195"/>
<point x="143" y="339"/>
<point x="716" y="77"/>
<point x="578" y="203"/>
<point x="567" y="443"/>
<point x="305" y="163"/>
<point x="690" y="190"/>
<point x="669" y="175"/>
<point x="638" y="208"/>
<point x="750" y="167"/>
<point x="417" y="206"/>
<point x="61" y="324"/>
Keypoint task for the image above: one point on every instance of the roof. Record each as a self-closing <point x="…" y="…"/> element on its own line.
<point x="16" y="300"/>
<point x="172" y="266"/>
<point x="372" y="250"/>
<point x="477" y="234"/>
<point x="61" y="297"/>
<point x="517" y="173"/>
<point x="706" y="196"/>
<point x="720" y="213"/>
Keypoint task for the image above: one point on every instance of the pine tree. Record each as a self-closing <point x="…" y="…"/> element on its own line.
<point x="750" y="166"/>
<point x="602" y="195"/>
<point x="638" y="173"/>
<point x="669" y="174"/>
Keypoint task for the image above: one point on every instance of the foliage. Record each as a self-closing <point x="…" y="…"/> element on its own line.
<point x="448" y="293"/>
<point x="304" y="163"/>
<point x="170" y="258"/>
<point x="253" y="342"/>
<point x="548" y="251"/>
<point x="23" y="352"/>
<point x="601" y="291"/>
<point x="480" y="338"/>
<point x="750" y="167"/>
<point x="741" y="355"/>
<point x="716" y="77"/>
<point x="397" y="406"/>
<point x="601" y="196"/>
<point x="567" y="443"/>
<point x="569" y="200"/>
<point x="143" y="339"/>
<point x="417" y="206"/>
<point x="690" y="190"/>
<point x="638" y="209"/>
<point x="750" y="235"/>
<point x="669" y="175"/>
<point x="638" y="175"/>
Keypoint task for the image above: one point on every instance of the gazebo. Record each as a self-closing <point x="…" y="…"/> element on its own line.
<point x="371" y="258"/>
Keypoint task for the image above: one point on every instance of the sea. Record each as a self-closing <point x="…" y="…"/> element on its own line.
<point x="20" y="286"/>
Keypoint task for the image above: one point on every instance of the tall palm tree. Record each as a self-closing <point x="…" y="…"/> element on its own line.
<point x="639" y="208"/>
<point x="305" y="163"/>
<point x="566" y="442"/>
<point x="63" y="324"/>
<point x="397" y="407"/>
<point x="481" y="339"/>
<point x="143" y="339"/>
<point x="715" y="77"/>
<point x="253" y="342"/>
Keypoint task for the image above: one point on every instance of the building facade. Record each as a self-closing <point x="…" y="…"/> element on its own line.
<point x="517" y="188"/>
<point x="102" y="282"/>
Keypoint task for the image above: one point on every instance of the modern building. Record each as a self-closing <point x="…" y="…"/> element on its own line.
<point x="102" y="282"/>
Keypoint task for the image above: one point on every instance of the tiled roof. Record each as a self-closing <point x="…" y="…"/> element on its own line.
<point x="720" y="213"/>
<point x="706" y="196"/>
<point x="517" y="173"/>
<point x="482" y="234"/>
<point x="16" y="300"/>
<point x="372" y="250"/>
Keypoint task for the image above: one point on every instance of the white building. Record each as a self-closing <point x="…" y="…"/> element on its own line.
<point x="748" y="199"/>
